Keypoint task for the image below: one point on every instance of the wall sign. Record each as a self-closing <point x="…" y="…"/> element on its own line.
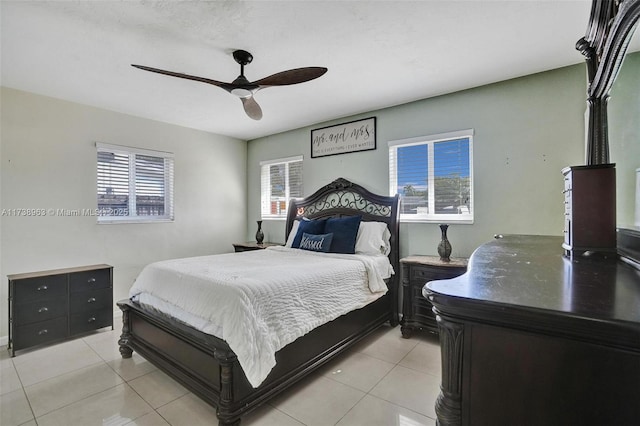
<point x="343" y="138"/>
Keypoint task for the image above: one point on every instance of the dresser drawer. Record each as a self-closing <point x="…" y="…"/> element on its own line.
<point x="90" y="300"/>
<point x="89" y="280"/>
<point x="41" y="311"/>
<point x="91" y="320"/>
<point x="41" y="332"/>
<point x="40" y="288"/>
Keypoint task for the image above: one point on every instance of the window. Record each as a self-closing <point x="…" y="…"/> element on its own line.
<point x="134" y="185"/>
<point x="281" y="180"/>
<point x="434" y="176"/>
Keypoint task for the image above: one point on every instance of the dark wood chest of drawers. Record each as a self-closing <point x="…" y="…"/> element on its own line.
<point x="49" y="306"/>
<point x="589" y="208"/>
<point x="417" y="271"/>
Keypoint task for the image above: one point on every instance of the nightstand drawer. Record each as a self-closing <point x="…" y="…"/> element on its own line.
<point x="41" y="311"/>
<point x="41" y="288"/>
<point x="420" y="273"/>
<point x="92" y="320"/>
<point x="419" y="301"/>
<point x="41" y="332"/>
<point x="89" y="280"/>
<point x="90" y="300"/>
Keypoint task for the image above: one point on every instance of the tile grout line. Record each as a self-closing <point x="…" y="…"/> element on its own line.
<point x="24" y="392"/>
<point x="376" y="384"/>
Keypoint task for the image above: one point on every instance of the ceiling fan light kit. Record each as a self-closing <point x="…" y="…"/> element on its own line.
<point x="241" y="92"/>
<point x="245" y="89"/>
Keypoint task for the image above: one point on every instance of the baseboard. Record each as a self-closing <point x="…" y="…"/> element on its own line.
<point x="4" y="340"/>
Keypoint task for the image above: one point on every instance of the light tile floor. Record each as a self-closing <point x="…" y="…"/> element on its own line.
<point x="384" y="380"/>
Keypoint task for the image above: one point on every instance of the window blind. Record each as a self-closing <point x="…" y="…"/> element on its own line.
<point x="134" y="184"/>
<point x="281" y="180"/>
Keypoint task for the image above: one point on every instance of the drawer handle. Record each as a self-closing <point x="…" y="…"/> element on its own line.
<point x="42" y="288"/>
<point x="91" y="300"/>
<point x="92" y="319"/>
<point x="43" y="332"/>
<point x="43" y="309"/>
<point x="91" y="280"/>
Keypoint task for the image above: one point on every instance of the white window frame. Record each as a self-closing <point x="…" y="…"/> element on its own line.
<point x="132" y="217"/>
<point x="430" y="141"/>
<point x="265" y="185"/>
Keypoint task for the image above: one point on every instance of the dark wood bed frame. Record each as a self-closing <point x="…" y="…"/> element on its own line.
<point x="206" y="365"/>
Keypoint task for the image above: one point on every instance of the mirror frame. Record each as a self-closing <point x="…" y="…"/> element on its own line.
<point x="611" y="26"/>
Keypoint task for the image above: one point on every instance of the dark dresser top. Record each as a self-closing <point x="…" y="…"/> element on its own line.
<point x="520" y="273"/>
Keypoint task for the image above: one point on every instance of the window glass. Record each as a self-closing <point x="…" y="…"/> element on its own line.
<point x="434" y="176"/>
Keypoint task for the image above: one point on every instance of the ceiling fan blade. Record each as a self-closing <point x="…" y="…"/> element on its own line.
<point x="243" y="88"/>
<point x="252" y="108"/>
<point x="226" y="86"/>
<point x="294" y="76"/>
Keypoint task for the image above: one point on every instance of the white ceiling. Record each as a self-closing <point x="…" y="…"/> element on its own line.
<point x="379" y="53"/>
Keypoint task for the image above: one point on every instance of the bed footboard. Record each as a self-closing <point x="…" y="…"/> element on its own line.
<point x="207" y="367"/>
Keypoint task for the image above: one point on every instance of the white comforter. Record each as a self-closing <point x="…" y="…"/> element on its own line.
<point x="260" y="301"/>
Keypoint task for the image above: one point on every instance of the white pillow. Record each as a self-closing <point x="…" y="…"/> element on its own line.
<point x="373" y="238"/>
<point x="292" y="234"/>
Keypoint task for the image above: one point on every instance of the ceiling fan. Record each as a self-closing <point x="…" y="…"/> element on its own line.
<point x="245" y="89"/>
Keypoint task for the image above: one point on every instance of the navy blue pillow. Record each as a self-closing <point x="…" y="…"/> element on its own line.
<point x="316" y="242"/>
<point x="345" y="231"/>
<point x="315" y="227"/>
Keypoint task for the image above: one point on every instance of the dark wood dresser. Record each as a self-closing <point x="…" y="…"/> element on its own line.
<point x="530" y="336"/>
<point x="417" y="313"/>
<point x="50" y="306"/>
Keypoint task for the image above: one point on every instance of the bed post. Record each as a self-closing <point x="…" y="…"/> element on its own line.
<point x="125" y="350"/>
<point x="226" y="360"/>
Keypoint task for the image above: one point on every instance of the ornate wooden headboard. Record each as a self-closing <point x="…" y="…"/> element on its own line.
<point x="344" y="198"/>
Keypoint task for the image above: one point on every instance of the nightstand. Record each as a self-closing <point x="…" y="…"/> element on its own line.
<point x="416" y="272"/>
<point x="252" y="245"/>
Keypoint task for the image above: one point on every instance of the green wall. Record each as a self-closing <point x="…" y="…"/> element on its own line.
<point x="624" y="136"/>
<point x="526" y="131"/>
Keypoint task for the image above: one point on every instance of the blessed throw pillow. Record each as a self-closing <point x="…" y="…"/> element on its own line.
<point x="315" y="227"/>
<point x="316" y="242"/>
<point x="345" y="231"/>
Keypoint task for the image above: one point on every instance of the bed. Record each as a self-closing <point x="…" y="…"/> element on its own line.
<point x="207" y="365"/>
